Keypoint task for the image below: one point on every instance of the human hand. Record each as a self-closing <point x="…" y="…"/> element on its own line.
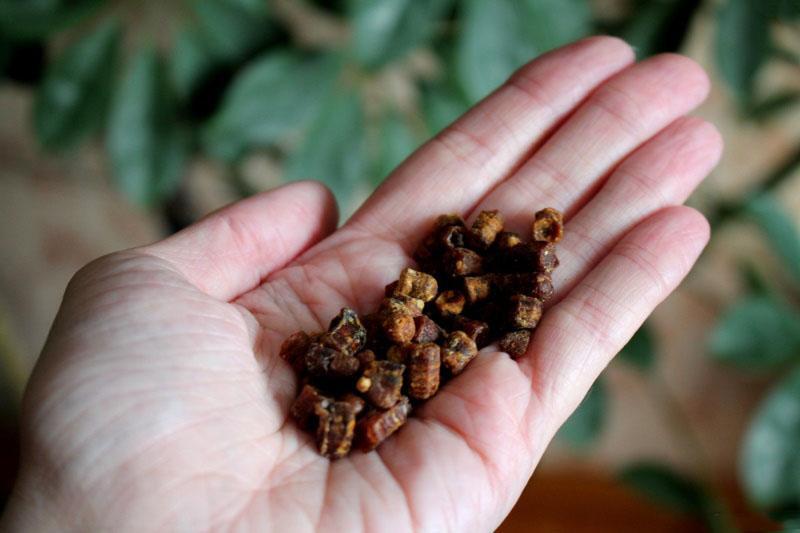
<point x="160" y="402"/>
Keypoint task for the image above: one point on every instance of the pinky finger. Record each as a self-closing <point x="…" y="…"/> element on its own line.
<point x="578" y="337"/>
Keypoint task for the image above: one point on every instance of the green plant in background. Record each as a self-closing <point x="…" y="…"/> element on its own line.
<point x="237" y="79"/>
<point x="761" y="333"/>
<point x="344" y="90"/>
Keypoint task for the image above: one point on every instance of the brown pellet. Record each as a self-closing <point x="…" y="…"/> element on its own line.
<point x="318" y="359"/>
<point x="388" y="290"/>
<point x="365" y="357"/>
<point x="515" y="343"/>
<point x="458" y="350"/>
<point x="307" y="405"/>
<point x="506" y="240"/>
<point x="336" y="429"/>
<point x="427" y="330"/>
<point x="381" y="383"/>
<point x="524" y="311"/>
<point x="346" y="333"/>
<point x="443" y="235"/>
<point x="416" y="284"/>
<point x="542" y="287"/>
<point x="538" y="285"/>
<point x="477" y="330"/>
<point x="396" y="353"/>
<point x="294" y="348"/>
<point x="448" y="220"/>
<point x="532" y="257"/>
<point x="356" y="402"/>
<point x="343" y="365"/>
<point x="486" y="227"/>
<point x="452" y="237"/>
<point x="374" y="428"/>
<point x="424" y="255"/>
<point x="477" y="288"/>
<point x="423" y="370"/>
<point x="397" y="320"/>
<point x="462" y="262"/>
<point x="548" y="225"/>
<point x="373" y="325"/>
<point x="413" y="305"/>
<point x="449" y="302"/>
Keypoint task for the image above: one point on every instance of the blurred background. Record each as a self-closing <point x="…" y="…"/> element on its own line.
<point x="122" y="121"/>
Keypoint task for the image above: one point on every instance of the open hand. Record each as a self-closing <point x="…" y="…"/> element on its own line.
<point x="160" y="402"/>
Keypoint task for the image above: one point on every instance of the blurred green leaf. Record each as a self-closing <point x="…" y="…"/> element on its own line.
<point x="73" y="98"/>
<point x="226" y="33"/>
<point x="254" y="6"/>
<point x="232" y="28"/>
<point x="784" y="9"/>
<point x="586" y="423"/>
<point x="770" y="460"/>
<point x="742" y="44"/>
<point x="790" y="524"/>
<point x="441" y="105"/>
<point x="640" y="352"/>
<point x="499" y="36"/>
<point x="279" y="93"/>
<point x="190" y="61"/>
<point x="397" y="141"/>
<point x="663" y="486"/>
<point x="773" y="105"/>
<point x="659" y="25"/>
<point x="384" y="30"/>
<point x="145" y="143"/>
<point x="754" y="281"/>
<point x="553" y="23"/>
<point x="757" y="332"/>
<point x="779" y="229"/>
<point x="334" y="150"/>
<point x="34" y="19"/>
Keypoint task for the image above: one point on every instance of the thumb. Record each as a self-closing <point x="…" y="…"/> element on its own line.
<point x="233" y="249"/>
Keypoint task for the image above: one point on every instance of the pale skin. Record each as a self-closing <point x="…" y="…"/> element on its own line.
<point x="160" y="402"/>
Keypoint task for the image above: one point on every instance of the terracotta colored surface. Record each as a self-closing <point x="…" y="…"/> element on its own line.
<point x="590" y="500"/>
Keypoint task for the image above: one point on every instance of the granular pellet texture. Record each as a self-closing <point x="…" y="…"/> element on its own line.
<point x="473" y="286"/>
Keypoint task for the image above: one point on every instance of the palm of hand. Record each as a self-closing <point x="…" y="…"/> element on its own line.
<point x="160" y="402"/>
